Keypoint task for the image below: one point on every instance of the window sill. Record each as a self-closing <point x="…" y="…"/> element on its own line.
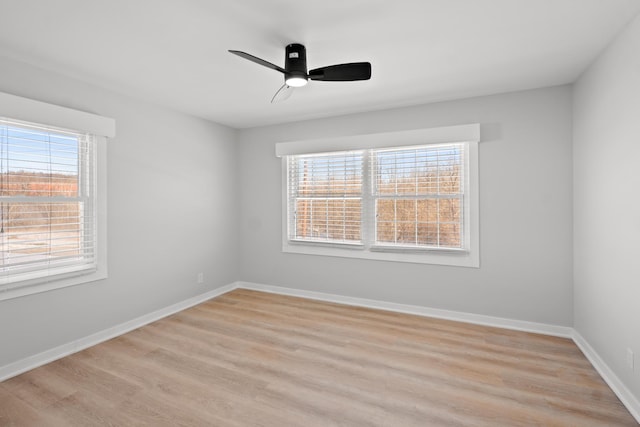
<point x="417" y="249"/>
<point x="457" y="258"/>
<point x="346" y="246"/>
<point x="36" y="286"/>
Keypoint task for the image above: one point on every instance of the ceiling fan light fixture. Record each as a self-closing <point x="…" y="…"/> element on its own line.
<point x="295" y="81"/>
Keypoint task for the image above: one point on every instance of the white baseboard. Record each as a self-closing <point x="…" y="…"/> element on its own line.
<point x="477" y="319"/>
<point x="624" y="394"/>
<point x="32" y="362"/>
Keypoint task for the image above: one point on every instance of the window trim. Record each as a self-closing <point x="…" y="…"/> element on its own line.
<point x="467" y="134"/>
<point x="29" y="110"/>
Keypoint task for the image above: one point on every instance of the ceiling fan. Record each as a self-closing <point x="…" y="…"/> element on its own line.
<point x="296" y="75"/>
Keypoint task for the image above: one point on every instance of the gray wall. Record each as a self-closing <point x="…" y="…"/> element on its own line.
<point x="172" y="207"/>
<point x="525" y="212"/>
<point x="607" y="205"/>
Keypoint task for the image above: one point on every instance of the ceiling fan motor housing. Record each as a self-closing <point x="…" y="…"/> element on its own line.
<point x="295" y="62"/>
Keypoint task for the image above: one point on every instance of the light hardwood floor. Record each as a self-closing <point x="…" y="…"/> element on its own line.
<point x="249" y="358"/>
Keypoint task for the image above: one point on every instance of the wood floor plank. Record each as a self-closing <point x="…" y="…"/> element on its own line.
<point x="250" y="358"/>
<point x="15" y="412"/>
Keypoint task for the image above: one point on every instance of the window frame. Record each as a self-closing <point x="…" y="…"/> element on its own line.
<point x="373" y="244"/>
<point x="48" y="115"/>
<point x="291" y="222"/>
<point x="468" y="135"/>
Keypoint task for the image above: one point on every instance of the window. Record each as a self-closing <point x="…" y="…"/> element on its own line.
<point x="419" y="197"/>
<point x="325" y="193"/>
<point x="47" y="198"/>
<point x="411" y="203"/>
<point x="52" y="224"/>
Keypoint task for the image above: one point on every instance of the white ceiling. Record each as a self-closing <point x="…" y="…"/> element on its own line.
<point x="174" y="52"/>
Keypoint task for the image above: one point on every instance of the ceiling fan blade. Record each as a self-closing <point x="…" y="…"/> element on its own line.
<point x="342" y="72"/>
<point x="257" y="60"/>
<point x="282" y="94"/>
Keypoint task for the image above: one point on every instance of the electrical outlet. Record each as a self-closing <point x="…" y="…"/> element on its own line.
<point x="200" y="277"/>
<point x="630" y="358"/>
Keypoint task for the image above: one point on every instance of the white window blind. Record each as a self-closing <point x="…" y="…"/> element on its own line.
<point x="47" y="202"/>
<point x="393" y="198"/>
<point x="419" y="196"/>
<point x="325" y="197"/>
